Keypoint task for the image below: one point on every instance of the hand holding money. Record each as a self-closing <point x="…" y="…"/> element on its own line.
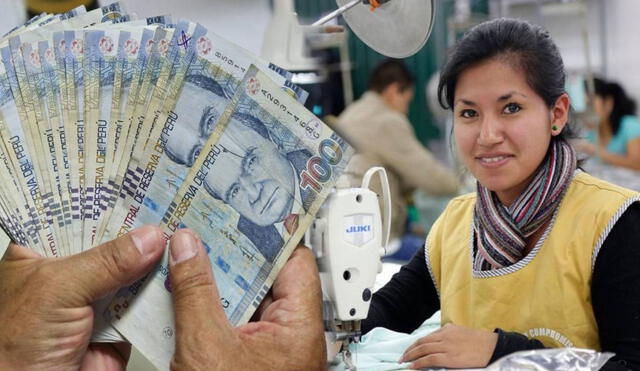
<point x="109" y="123"/>
<point x="45" y="304"/>
<point x="287" y="335"/>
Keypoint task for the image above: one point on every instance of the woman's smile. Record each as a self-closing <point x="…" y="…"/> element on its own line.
<point x="494" y="161"/>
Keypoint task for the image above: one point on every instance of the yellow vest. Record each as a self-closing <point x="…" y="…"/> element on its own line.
<point x="546" y="295"/>
<point x="55" y="6"/>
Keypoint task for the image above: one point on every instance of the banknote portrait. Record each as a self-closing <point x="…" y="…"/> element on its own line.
<point x="260" y="181"/>
<point x="200" y="104"/>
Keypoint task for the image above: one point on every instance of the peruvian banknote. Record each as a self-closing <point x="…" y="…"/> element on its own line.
<point x="260" y="178"/>
<point x="209" y="83"/>
<point x="108" y="123"/>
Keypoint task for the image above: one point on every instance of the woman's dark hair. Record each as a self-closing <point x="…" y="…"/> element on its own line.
<point x="525" y="46"/>
<point x="388" y="72"/>
<point x="622" y="104"/>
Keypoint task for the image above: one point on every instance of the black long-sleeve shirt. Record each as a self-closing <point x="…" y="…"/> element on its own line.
<point x="410" y="298"/>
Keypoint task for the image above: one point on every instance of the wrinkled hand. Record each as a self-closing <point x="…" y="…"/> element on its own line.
<point x="452" y="346"/>
<point x="288" y="334"/>
<point x="46" y="316"/>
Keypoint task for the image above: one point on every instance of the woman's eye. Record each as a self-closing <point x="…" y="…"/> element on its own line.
<point x="512" y="108"/>
<point x="468" y="113"/>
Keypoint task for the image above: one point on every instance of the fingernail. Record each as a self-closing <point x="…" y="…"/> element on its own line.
<point x="144" y="238"/>
<point x="184" y="246"/>
<point x="193" y="233"/>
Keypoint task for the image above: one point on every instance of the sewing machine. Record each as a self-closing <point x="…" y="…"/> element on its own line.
<point x="348" y="240"/>
<point x="348" y="236"/>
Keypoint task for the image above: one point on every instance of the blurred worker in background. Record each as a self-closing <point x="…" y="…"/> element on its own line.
<point x="616" y="140"/>
<point x="378" y="127"/>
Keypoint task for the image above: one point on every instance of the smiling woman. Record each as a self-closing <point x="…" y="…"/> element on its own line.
<point x="502" y="127"/>
<point x="542" y="254"/>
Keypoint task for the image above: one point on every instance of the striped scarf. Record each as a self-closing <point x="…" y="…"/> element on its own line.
<point x="500" y="231"/>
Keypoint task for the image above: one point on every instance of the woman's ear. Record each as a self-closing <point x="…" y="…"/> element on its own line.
<point x="560" y="114"/>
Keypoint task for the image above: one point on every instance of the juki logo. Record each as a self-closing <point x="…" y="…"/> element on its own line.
<point x="359" y="228"/>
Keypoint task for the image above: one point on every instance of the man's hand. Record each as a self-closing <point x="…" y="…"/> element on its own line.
<point x="46" y="316"/>
<point x="288" y="335"/>
<point x="452" y="346"/>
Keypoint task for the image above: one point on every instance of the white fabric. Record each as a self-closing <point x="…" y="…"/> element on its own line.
<point x="380" y="349"/>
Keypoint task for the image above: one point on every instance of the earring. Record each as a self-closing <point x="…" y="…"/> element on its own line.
<point x="554" y="128"/>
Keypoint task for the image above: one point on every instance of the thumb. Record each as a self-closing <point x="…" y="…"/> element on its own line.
<point x="16" y="252"/>
<point x="195" y="296"/>
<point x="94" y="273"/>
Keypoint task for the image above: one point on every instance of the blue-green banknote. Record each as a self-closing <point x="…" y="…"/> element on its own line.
<point x="251" y="193"/>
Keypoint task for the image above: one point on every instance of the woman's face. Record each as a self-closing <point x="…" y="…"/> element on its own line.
<point x="502" y="127"/>
<point x="603" y="107"/>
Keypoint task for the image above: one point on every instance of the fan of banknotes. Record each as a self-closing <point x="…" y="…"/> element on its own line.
<point x="108" y="123"/>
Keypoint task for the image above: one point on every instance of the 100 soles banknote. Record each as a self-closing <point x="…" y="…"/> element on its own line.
<point x="108" y="123"/>
<point x="251" y="193"/>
